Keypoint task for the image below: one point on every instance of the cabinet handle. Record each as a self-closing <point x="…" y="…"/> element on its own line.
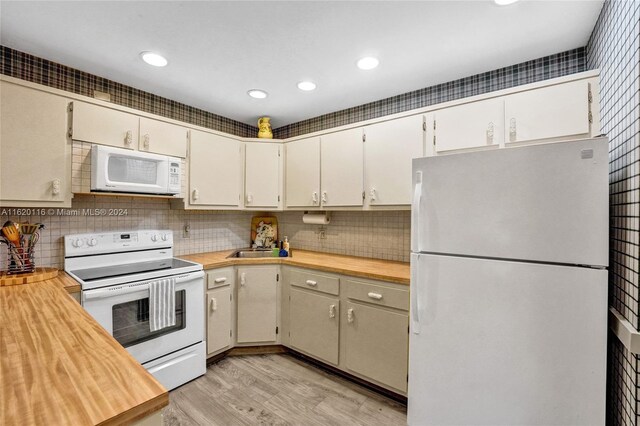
<point x="373" y="195"/>
<point x="146" y="141"/>
<point x="376" y="296"/>
<point x="243" y="280"/>
<point x="214" y="304"/>
<point x="512" y="130"/>
<point x="220" y="280"/>
<point x="314" y="197"/>
<point x="312" y="283"/>
<point x="490" y="134"/>
<point x="128" y="138"/>
<point x="350" y="315"/>
<point x="55" y="186"/>
<point x="324" y="196"/>
<point x="196" y="194"/>
<point x="332" y="311"/>
<point x="249" y="198"/>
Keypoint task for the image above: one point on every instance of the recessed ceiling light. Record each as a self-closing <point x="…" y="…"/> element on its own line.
<point x="368" y="63"/>
<point x="504" y="2"/>
<point x="306" y="85"/>
<point x="153" y="59"/>
<point x="257" y="93"/>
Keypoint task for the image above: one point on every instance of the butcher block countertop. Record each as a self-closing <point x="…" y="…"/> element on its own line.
<point x="58" y="366"/>
<point x="376" y="269"/>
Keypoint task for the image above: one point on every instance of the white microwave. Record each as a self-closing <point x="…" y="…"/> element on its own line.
<point x="123" y="170"/>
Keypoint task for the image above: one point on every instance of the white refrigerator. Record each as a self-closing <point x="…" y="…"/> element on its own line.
<point x="509" y="286"/>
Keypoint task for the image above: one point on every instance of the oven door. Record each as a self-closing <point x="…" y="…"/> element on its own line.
<point x="123" y="310"/>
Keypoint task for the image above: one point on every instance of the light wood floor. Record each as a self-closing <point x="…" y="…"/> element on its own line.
<point x="277" y="390"/>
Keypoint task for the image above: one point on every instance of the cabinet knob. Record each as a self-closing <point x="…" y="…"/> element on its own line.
<point x="243" y="279"/>
<point x="332" y="311"/>
<point x="55" y="186"/>
<point x="128" y="138"/>
<point x="195" y="194"/>
<point x="324" y="196"/>
<point x="249" y="198"/>
<point x="214" y="304"/>
<point x="373" y="194"/>
<point x="314" y="197"/>
<point x="312" y="283"/>
<point x="490" y="134"/>
<point x="512" y="130"/>
<point x="220" y="280"/>
<point x="146" y="141"/>
<point x="375" y="296"/>
<point x="350" y="315"/>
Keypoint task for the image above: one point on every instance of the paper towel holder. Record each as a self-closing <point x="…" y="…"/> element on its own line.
<point x="316" y="218"/>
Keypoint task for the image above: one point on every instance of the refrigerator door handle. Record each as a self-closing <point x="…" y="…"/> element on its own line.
<point x="414" y="295"/>
<point x="415" y="213"/>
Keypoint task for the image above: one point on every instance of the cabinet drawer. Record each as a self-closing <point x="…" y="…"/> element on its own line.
<point x="220" y="277"/>
<point x="377" y="295"/>
<point x="323" y="283"/>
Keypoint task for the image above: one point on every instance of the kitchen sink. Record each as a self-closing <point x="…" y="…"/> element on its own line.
<point x="251" y="253"/>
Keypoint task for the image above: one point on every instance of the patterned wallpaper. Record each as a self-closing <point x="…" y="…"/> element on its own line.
<point x="614" y="47"/>
<point x="37" y="70"/>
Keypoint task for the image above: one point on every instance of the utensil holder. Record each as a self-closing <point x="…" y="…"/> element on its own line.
<point x="19" y="262"/>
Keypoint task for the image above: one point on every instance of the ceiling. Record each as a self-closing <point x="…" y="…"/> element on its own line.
<point x="217" y="50"/>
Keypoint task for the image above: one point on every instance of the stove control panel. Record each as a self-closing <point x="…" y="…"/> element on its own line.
<point x="117" y="241"/>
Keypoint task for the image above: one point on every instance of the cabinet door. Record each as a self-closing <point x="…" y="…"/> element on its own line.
<point x="215" y="170"/>
<point x="473" y="125"/>
<point x="35" y="154"/>
<point x="162" y="138"/>
<point x="218" y="319"/>
<point x="342" y="168"/>
<point x="377" y="344"/>
<point x="558" y="111"/>
<point x="262" y="175"/>
<point x="303" y="173"/>
<point x="314" y="324"/>
<point x="257" y="299"/>
<point x="388" y="150"/>
<point x="104" y="126"/>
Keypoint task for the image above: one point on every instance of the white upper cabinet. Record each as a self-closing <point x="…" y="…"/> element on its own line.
<point x="262" y="175"/>
<point x="104" y="126"/>
<point x="473" y="125"/>
<point x="163" y="138"/>
<point x="302" y="159"/>
<point x="342" y="168"/>
<point x="215" y="170"/>
<point x="559" y="111"/>
<point x="35" y="153"/>
<point x="388" y="150"/>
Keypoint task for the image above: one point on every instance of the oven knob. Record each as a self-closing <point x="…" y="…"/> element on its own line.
<point x="164" y="237"/>
<point x="78" y="243"/>
<point x="93" y="242"/>
<point x="154" y="238"/>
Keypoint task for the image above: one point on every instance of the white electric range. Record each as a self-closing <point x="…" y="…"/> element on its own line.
<point x="114" y="270"/>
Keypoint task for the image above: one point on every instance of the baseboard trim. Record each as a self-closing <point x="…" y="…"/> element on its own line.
<point x="626" y="332"/>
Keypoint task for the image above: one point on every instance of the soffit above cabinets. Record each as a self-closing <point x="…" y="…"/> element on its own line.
<point x="217" y="50"/>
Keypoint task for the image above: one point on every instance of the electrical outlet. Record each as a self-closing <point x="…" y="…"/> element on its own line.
<point x="322" y="234"/>
<point x="186" y="231"/>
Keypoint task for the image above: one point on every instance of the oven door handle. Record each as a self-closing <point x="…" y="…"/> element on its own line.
<point x="136" y="287"/>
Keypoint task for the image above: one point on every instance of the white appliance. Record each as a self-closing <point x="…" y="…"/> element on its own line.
<point x="123" y="170"/>
<point x="114" y="270"/>
<point x="509" y="286"/>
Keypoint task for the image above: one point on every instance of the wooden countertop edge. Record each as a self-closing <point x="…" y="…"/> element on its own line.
<point x="213" y="260"/>
<point x="138" y="412"/>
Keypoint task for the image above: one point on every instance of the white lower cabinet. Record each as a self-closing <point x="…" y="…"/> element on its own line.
<point x="219" y="309"/>
<point x="257" y="319"/>
<point x="314" y="324"/>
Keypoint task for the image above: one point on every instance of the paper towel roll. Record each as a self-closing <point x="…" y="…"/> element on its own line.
<point x="316" y="218"/>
